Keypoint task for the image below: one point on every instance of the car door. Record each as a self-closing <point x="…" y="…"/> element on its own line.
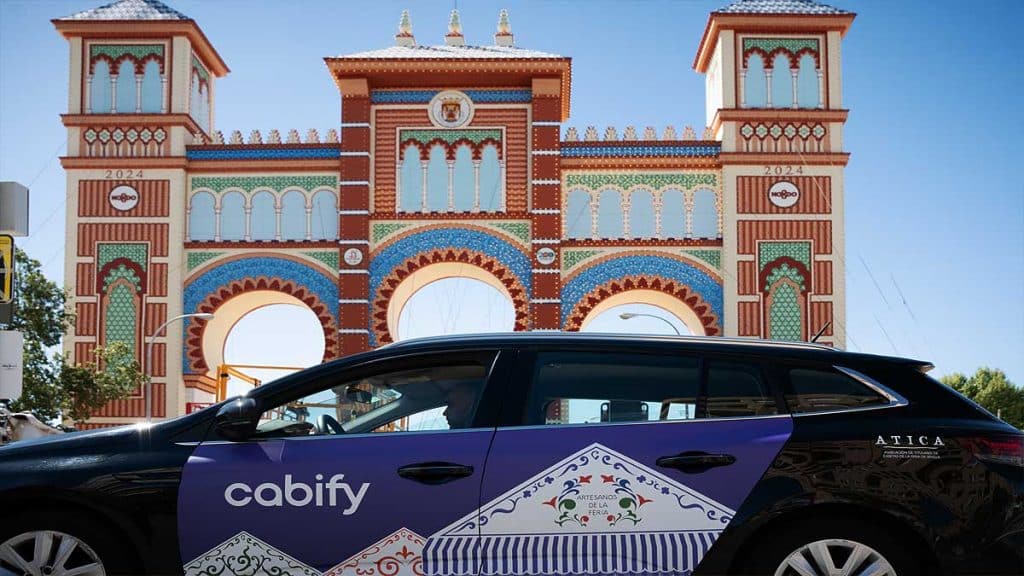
<point x="346" y="476"/>
<point x="621" y="462"/>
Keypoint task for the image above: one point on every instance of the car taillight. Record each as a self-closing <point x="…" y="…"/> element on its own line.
<point x="999" y="449"/>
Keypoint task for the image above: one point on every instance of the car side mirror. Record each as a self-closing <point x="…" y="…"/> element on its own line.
<point x="236" y="420"/>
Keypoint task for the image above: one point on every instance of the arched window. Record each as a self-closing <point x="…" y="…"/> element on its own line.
<point x="609" y="214"/>
<point x="577" y="215"/>
<point x="465" y="181"/>
<point x="232" y="216"/>
<point x="782" y="82"/>
<point x="705" y="214"/>
<point x="126" y="87"/>
<point x="325" y="216"/>
<point x="807" y="83"/>
<point x="152" y="88"/>
<point x="201" y="218"/>
<point x="411" y="183"/>
<point x="204" y="107"/>
<point x="491" y="189"/>
<point x="641" y="214"/>
<point x="755" y="84"/>
<point x="99" y="92"/>
<point x="195" y="100"/>
<point x="673" y="214"/>
<point x="293" y="216"/>
<point x="263" y="224"/>
<point x="437" y="180"/>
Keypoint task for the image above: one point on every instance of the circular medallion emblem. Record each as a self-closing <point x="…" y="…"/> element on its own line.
<point x="123" y="198"/>
<point x="353" y="256"/>
<point x="451" y="109"/>
<point x="783" y="194"/>
<point x="546" y="256"/>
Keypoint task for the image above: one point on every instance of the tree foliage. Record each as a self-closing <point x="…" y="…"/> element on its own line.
<point x="993" y="391"/>
<point x="53" y="387"/>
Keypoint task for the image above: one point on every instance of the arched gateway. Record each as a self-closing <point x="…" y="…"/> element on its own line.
<point x="450" y="161"/>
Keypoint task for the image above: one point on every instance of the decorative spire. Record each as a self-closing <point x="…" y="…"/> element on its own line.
<point x="404" y="36"/>
<point x="503" y="37"/>
<point x="454" y="36"/>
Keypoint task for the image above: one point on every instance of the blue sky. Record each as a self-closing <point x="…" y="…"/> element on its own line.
<point x="934" y="207"/>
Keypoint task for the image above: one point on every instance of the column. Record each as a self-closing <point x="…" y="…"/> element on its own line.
<point x="793" y="72"/>
<point x="398" y="187"/>
<point x="742" y="88"/>
<point x="216" y="222"/>
<point x="138" y="93"/>
<point x="88" y="94"/>
<point x="354" y="322"/>
<point x="821" y="88"/>
<point x="688" y="207"/>
<point x="595" y="205"/>
<point x="113" y="93"/>
<point x="625" y="203"/>
<point x="476" y="185"/>
<point x="277" y="220"/>
<point x="309" y="222"/>
<point x="657" y="214"/>
<point x="248" y="221"/>
<point x="768" y="94"/>
<point x="545" y="204"/>
<point x="163" y="93"/>
<point x="423" y="184"/>
<point x="451" y="185"/>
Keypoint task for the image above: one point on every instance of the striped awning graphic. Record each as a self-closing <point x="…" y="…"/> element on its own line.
<point x="674" y="553"/>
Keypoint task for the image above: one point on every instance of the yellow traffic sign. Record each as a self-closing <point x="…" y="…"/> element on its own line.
<point x="6" y="268"/>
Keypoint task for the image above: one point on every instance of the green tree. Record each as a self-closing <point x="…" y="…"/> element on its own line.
<point x="993" y="391"/>
<point x="53" y="387"/>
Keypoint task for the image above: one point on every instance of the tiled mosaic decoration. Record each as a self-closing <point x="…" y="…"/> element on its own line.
<point x="698" y="281"/>
<point x="626" y="181"/>
<point x="250" y="183"/>
<point x="768" y="252"/>
<point x="194" y="259"/>
<point x="320" y="292"/>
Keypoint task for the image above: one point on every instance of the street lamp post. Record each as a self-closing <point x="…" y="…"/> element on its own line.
<point x="628" y="315"/>
<point x="149" y="358"/>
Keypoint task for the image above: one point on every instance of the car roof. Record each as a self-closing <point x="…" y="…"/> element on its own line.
<point x="737" y="345"/>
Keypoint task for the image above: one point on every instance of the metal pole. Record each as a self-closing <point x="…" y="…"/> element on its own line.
<point x="628" y="315"/>
<point x="149" y="358"/>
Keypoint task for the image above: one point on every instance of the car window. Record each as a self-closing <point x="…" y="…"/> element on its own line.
<point x="738" y="389"/>
<point x="588" y="387"/>
<point x="819" y="390"/>
<point x="417" y="399"/>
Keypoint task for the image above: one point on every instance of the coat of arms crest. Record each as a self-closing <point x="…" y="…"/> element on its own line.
<point x="451" y="109"/>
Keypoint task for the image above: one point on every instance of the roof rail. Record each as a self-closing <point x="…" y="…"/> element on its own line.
<point x="741" y="340"/>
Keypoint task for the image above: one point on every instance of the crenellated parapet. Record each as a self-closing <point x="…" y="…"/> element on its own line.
<point x="630" y="134"/>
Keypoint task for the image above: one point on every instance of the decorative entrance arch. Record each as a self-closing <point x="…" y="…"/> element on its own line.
<point x="449" y="162"/>
<point x="396" y="289"/>
<point x="670" y="303"/>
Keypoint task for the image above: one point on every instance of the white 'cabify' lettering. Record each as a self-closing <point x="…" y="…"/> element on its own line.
<point x="299" y="494"/>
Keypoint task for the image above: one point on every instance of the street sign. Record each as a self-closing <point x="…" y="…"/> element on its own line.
<point x="6" y="269"/>
<point x="13" y="209"/>
<point x="12" y="346"/>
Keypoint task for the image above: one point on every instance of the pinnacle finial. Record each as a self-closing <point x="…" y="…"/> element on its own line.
<point x="454" y="36"/>
<point x="503" y="37"/>
<point x="404" y="36"/>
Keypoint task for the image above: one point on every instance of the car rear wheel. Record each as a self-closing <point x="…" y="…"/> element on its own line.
<point x="835" y="557"/>
<point x="831" y="546"/>
<point x="49" y="553"/>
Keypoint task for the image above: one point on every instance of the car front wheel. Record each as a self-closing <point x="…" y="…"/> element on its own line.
<point x="835" y="556"/>
<point x="49" y="553"/>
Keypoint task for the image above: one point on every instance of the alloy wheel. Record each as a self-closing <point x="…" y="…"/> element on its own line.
<point x="835" y="557"/>
<point x="48" y="553"/>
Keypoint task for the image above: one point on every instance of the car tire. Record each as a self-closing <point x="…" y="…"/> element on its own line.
<point x="812" y="543"/>
<point x="73" y="540"/>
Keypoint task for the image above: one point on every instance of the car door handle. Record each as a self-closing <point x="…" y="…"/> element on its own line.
<point x="435" y="472"/>
<point x="696" y="462"/>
